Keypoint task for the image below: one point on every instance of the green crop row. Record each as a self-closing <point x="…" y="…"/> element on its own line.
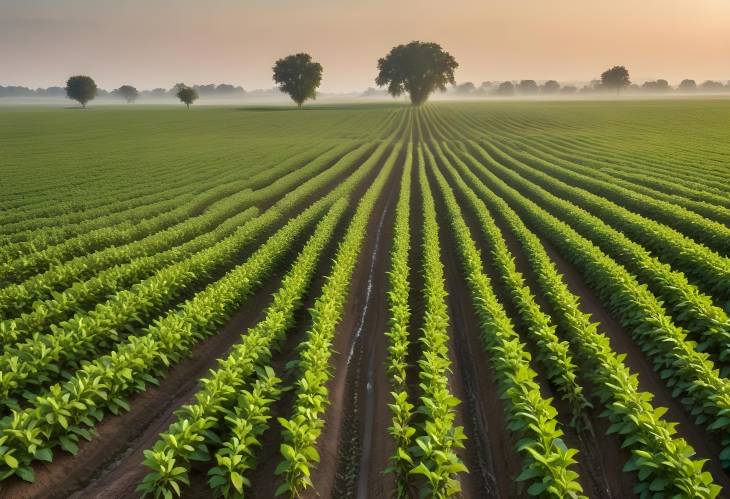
<point x="70" y="410"/>
<point x="151" y="253"/>
<point x="41" y="358"/>
<point x="196" y="428"/>
<point x="664" y="462"/>
<point x="398" y="335"/>
<point x="710" y="270"/>
<point x="687" y="372"/>
<point x="302" y="429"/>
<point x="547" y="461"/>
<point x="437" y="438"/>
<point x="690" y="308"/>
<point x="552" y="353"/>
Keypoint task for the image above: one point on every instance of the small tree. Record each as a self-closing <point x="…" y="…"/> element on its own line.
<point x="467" y="88"/>
<point x="687" y="86"/>
<point x="569" y="89"/>
<point x="186" y="94"/>
<point x="711" y="86"/>
<point x="615" y="78"/>
<point x="550" y="87"/>
<point x="527" y="87"/>
<point x="298" y="77"/>
<point x="505" y="88"/>
<point x="81" y="89"/>
<point x="418" y="69"/>
<point x="128" y="93"/>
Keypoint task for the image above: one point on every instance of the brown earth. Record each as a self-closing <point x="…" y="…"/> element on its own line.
<point x="357" y="417"/>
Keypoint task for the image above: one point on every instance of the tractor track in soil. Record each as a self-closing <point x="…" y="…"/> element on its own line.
<point x="357" y="418"/>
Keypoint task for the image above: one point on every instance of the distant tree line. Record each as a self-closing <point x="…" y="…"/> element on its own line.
<point x="211" y="90"/>
<point x="552" y="87"/>
<point x="417" y="69"/>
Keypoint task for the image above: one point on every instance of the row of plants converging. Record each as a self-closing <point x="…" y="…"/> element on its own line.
<point x="688" y="372"/>
<point x="547" y="461"/>
<point x="219" y="412"/>
<point x="302" y="429"/>
<point x="552" y="353"/>
<point x="692" y="309"/>
<point x="18" y="298"/>
<point x="432" y="454"/>
<point x="68" y="411"/>
<point x="40" y="359"/>
<point x="710" y="271"/>
<point x="663" y="462"/>
<point x="232" y="407"/>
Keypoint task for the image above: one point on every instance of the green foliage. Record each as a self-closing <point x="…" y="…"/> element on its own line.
<point x="417" y="68"/>
<point x="302" y="429"/>
<point x="616" y="78"/>
<point x="298" y="76"/>
<point x="187" y="95"/>
<point x="81" y="89"/>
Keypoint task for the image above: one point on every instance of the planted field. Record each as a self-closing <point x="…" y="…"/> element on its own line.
<point x="484" y="299"/>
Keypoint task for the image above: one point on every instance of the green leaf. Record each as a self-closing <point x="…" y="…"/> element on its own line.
<point x="26" y="474"/>
<point x="11" y="461"/>
<point x="237" y="481"/>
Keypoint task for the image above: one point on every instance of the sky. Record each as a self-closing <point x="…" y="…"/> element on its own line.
<point x="156" y="43"/>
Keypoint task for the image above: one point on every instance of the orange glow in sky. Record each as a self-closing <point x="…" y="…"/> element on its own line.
<point x="157" y="43"/>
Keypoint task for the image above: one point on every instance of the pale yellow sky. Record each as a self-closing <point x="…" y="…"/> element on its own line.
<point x="157" y="43"/>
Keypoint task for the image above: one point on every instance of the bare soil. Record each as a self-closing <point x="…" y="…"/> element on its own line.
<point x="354" y="445"/>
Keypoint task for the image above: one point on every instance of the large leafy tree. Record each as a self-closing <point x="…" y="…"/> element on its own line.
<point x="615" y="78"/>
<point x="298" y="76"/>
<point x="81" y="89"/>
<point x="418" y="68"/>
<point x="187" y="95"/>
<point x="128" y="93"/>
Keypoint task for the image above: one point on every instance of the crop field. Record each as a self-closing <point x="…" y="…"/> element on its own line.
<point x="475" y="299"/>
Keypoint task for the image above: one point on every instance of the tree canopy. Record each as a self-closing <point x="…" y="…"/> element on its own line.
<point x="527" y="87"/>
<point x="505" y="88"/>
<point x="128" y="93"/>
<point x="615" y="78"/>
<point x="186" y="94"/>
<point x="81" y="89"/>
<point x="687" y="86"/>
<point x="418" y="68"/>
<point x="298" y="76"/>
<point x="550" y="87"/>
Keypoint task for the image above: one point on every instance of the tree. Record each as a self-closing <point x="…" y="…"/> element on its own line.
<point x="687" y="86"/>
<point x="569" y="89"/>
<point x="467" y="88"/>
<point x="711" y="86"/>
<point x="298" y="76"/>
<point x="505" y="88"/>
<point x="187" y="95"/>
<point x="615" y="78"/>
<point x="128" y="93"/>
<point x="418" y="68"/>
<point x="527" y="87"/>
<point x="656" y="86"/>
<point x="550" y="87"/>
<point x="81" y="88"/>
